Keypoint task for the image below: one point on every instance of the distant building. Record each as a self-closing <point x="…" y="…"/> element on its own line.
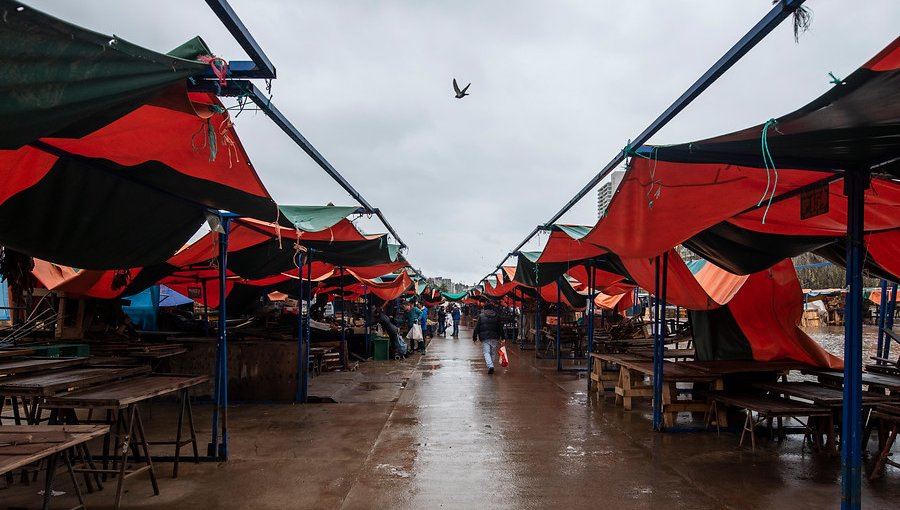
<point x="606" y="192"/>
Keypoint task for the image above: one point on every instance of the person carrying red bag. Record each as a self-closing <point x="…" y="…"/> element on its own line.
<point x="488" y="329"/>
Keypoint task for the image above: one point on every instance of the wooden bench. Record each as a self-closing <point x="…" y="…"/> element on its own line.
<point x="888" y="417"/>
<point x="633" y="369"/>
<point x="768" y="407"/>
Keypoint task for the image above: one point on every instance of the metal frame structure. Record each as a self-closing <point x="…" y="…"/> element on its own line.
<point x="238" y="85"/>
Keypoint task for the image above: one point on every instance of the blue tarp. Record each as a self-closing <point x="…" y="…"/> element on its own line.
<point x="168" y="297"/>
<point x="4" y="301"/>
<point x="144" y="308"/>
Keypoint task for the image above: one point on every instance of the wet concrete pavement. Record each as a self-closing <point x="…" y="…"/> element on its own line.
<point x="436" y="431"/>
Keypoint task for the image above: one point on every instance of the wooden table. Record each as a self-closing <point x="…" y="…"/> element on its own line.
<point x="816" y="393"/>
<point x="123" y="397"/>
<point x="21" y="445"/>
<point x="767" y="407"/>
<point x="25" y="365"/>
<point x="35" y="386"/>
<point x="885" y="383"/>
<point x="632" y="370"/>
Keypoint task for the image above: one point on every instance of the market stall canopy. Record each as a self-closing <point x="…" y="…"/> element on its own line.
<point x="104" y="147"/>
<point x="457" y="296"/>
<point x="748" y="199"/>
<point x="566" y="244"/>
<point x="761" y="322"/>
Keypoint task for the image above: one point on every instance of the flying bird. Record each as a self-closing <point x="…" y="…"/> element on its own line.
<point x="460" y="93"/>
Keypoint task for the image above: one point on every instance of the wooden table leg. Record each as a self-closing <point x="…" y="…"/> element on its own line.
<point x="669" y="389"/>
<point x="122" y="452"/>
<point x="48" y="480"/>
<point x="142" y="441"/>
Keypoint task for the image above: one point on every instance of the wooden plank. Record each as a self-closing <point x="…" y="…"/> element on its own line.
<point x="25" y="365"/>
<point x="886" y="381"/>
<point x="16" y="351"/>
<point x="768" y="405"/>
<point x="816" y="393"/>
<point x="124" y="393"/>
<point x="71" y="435"/>
<point x="738" y="366"/>
<point x="56" y="381"/>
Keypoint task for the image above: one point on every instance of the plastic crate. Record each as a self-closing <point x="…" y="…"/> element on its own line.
<point x="382" y="349"/>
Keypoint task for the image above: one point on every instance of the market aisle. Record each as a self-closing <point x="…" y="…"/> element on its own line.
<point x="459" y="438"/>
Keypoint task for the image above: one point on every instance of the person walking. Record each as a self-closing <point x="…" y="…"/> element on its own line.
<point x="442" y="320"/>
<point x="423" y="323"/>
<point x="488" y="329"/>
<point x="455" y="315"/>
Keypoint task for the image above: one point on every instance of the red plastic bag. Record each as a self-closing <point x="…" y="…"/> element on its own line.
<point x="504" y="359"/>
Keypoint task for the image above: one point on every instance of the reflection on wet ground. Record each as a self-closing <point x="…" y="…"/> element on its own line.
<point x="832" y="339"/>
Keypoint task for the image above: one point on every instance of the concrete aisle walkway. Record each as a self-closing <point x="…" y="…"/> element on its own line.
<point x="436" y="431"/>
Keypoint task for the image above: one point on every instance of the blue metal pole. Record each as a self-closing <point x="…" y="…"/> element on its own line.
<point x="889" y="322"/>
<point x="855" y="184"/>
<point x="558" y="323"/>
<point x="590" y="325"/>
<point x="537" y="321"/>
<point x="304" y="393"/>
<point x="301" y="373"/>
<point x="205" y="310"/>
<point x="343" y="323"/>
<point x="657" y="395"/>
<point x="368" y="317"/>
<point x="882" y="317"/>
<point x="220" y="413"/>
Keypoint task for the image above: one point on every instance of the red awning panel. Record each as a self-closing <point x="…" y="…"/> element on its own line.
<point x="768" y="309"/>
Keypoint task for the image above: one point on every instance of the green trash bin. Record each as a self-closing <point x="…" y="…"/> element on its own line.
<point x="382" y="347"/>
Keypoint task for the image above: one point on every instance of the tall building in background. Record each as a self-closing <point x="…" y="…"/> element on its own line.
<point x="606" y="192"/>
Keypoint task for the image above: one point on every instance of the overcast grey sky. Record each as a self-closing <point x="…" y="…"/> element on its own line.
<point x="558" y="87"/>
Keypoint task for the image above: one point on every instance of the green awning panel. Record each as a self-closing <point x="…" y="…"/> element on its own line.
<point x="533" y="274"/>
<point x="312" y="218"/>
<point x="574" y="231"/>
<point x="61" y="80"/>
<point x="459" y="296"/>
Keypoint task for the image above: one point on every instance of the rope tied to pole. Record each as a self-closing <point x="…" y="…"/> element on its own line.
<point x="768" y="161"/>
<point x="218" y="65"/>
<point x="834" y="79"/>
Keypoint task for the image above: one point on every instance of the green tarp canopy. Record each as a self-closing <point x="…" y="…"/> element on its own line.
<point x="459" y="296"/>
<point x="311" y="218"/>
<point x="61" y="80"/>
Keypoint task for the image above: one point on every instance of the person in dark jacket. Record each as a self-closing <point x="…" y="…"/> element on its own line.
<point x="488" y="329"/>
<point x="392" y="331"/>
<point x="442" y="320"/>
<point x="456" y="316"/>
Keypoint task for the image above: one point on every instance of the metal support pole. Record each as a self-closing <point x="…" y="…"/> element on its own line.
<point x="882" y="317"/>
<point x="590" y="326"/>
<point x="343" y="323"/>
<point x="309" y="287"/>
<point x="889" y="322"/>
<point x="558" y="324"/>
<point x="658" y="339"/>
<point x="368" y="318"/>
<point x="220" y="411"/>
<point x="301" y="347"/>
<point x="205" y="310"/>
<point x="855" y="184"/>
<point x="537" y="321"/>
<point x="772" y="19"/>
